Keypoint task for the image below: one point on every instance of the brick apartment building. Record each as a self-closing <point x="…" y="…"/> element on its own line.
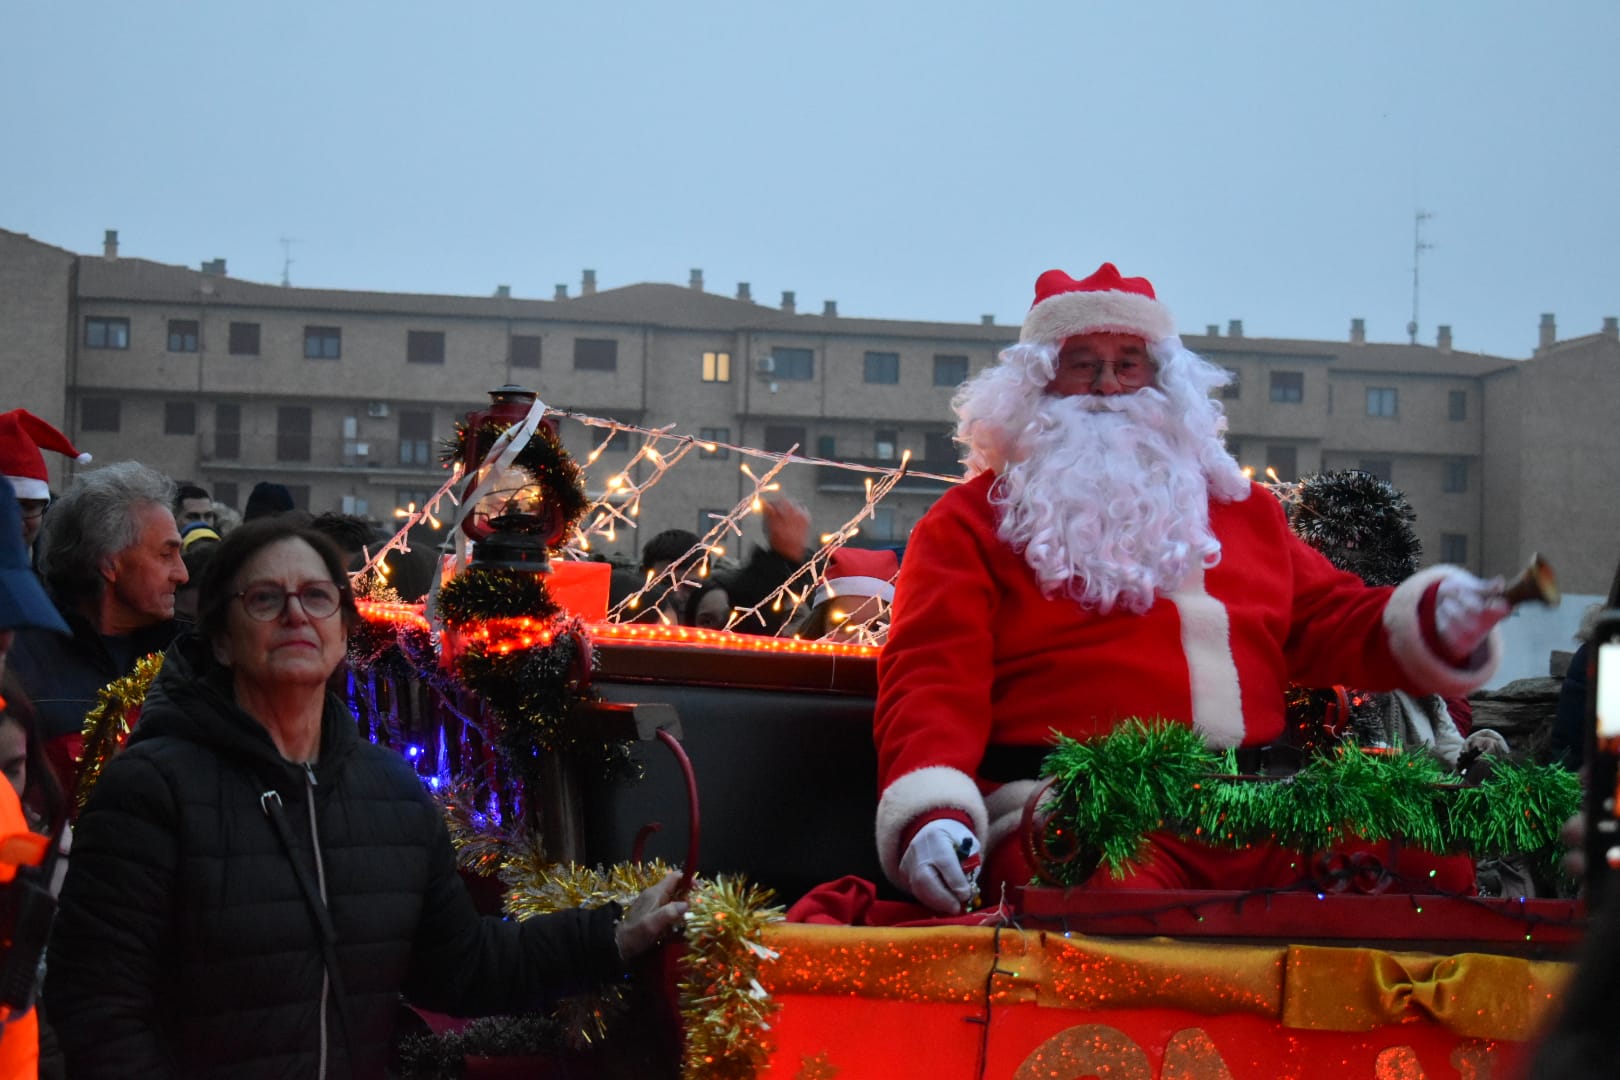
<point x="345" y="397"/>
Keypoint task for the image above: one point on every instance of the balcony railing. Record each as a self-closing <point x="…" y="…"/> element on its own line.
<point x="316" y="452"/>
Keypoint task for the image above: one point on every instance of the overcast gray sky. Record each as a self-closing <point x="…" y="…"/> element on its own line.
<point x="1260" y="161"/>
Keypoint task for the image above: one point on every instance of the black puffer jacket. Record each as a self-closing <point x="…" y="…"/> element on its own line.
<point x="185" y="946"/>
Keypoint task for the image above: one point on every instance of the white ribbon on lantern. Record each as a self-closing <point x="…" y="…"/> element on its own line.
<point x="497" y="460"/>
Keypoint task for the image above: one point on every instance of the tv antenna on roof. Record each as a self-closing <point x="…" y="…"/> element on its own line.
<point x="1418" y="248"/>
<point x="287" y="260"/>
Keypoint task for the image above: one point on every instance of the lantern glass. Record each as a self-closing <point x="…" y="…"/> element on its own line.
<point x="512" y="496"/>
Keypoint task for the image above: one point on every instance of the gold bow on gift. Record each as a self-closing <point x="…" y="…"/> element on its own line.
<point x="1473" y="995"/>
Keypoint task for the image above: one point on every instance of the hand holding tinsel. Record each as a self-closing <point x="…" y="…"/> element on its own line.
<point x="651" y="918"/>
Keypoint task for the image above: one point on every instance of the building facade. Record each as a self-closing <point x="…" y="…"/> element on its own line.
<point x="346" y="397"/>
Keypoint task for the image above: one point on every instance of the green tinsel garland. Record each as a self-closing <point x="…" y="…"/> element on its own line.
<point x="543" y="458"/>
<point x="1107" y="794"/>
<point x="483" y="593"/>
<point x="1113" y="790"/>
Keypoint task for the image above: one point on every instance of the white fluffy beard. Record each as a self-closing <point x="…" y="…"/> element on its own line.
<point x="1109" y="502"/>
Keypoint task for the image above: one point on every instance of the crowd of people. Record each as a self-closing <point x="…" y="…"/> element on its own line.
<point x="253" y="886"/>
<point x="685" y="586"/>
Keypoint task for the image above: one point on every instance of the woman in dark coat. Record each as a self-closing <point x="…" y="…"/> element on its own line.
<point x="253" y="885"/>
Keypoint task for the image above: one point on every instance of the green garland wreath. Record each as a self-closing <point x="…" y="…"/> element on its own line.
<point x="1108" y="793"/>
<point x="543" y="458"/>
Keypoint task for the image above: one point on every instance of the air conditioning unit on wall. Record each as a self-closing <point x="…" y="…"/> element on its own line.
<point x="377" y="408"/>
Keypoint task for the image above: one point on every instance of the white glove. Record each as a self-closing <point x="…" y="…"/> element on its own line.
<point x="1465" y="609"/>
<point x="933" y="866"/>
<point x="1487" y="741"/>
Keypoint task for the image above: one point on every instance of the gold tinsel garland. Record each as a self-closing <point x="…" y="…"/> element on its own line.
<point x="107" y="726"/>
<point x="725" y="1012"/>
<point x="723" y="1006"/>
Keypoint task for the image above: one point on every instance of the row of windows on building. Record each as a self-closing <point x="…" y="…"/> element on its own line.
<point x="879" y="368"/>
<point x="326" y="343"/>
<point x="1282" y="463"/>
<point x="590" y="354"/>
<point x="294" y="438"/>
<point x="1288" y="388"/>
<point x="792" y="364"/>
<point x="787" y="364"/>
<point x="295" y="441"/>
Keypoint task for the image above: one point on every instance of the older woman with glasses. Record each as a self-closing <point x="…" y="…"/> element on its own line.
<point x="253" y="885"/>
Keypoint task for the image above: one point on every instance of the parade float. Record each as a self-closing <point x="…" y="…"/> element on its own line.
<point x="579" y="752"/>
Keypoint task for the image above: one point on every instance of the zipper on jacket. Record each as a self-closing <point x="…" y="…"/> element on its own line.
<point x="320" y="880"/>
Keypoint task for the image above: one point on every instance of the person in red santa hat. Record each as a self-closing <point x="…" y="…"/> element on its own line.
<point x="1106" y="559"/>
<point x="852" y="602"/>
<point x="22" y="436"/>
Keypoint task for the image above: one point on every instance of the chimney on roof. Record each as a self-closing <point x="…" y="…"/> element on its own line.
<point x="1442" y="338"/>
<point x="503" y="292"/>
<point x="1213" y="329"/>
<point x="1234" y="328"/>
<point x="1358" y="331"/>
<point x="788" y="303"/>
<point x="561" y="293"/>
<point x="696" y="280"/>
<point x="829" y="309"/>
<point x="215" y="267"/>
<point x="1549" y="331"/>
<point x="1611" y="327"/>
<point x="744" y="293"/>
<point x="587" y="283"/>
<point x="987" y="320"/>
<point x="109" y="244"/>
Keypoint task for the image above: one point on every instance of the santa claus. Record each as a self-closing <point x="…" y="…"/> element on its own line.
<point x="1108" y="559"/>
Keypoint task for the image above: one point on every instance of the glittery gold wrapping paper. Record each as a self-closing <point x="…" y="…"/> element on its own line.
<point x="1471" y="995"/>
<point x="1474" y="995"/>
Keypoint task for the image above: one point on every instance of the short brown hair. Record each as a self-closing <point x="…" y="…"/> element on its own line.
<point x="214" y="593"/>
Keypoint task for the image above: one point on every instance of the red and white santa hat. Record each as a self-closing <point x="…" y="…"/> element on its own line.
<point x="860" y="572"/>
<point x="22" y="436"/>
<point x="1103" y="302"/>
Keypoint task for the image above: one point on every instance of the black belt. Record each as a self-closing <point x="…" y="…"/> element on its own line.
<point x="1003" y="764"/>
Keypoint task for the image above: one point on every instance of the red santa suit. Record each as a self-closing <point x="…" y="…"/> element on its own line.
<point x="978" y="660"/>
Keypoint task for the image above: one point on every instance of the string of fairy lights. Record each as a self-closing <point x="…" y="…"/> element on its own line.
<point x="618" y="502"/>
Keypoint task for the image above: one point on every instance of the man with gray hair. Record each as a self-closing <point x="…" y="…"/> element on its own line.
<point x="110" y="557"/>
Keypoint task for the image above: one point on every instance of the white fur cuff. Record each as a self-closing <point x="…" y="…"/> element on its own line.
<point x="937" y="787"/>
<point x="1005" y="806"/>
<point x="1430" y="672"/>
<point x="1067" y="314"/>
